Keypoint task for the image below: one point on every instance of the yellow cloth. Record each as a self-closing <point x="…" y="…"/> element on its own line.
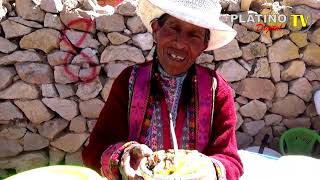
<point x="58" y="172"/>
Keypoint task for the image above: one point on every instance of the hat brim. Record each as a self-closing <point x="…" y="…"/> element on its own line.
<point x="220" y="33"/>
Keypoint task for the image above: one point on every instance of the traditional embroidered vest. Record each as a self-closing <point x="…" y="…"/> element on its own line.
<point x="139" y="87"/>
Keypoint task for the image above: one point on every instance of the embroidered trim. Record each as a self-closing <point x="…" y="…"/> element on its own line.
<point x="110" y="159"/>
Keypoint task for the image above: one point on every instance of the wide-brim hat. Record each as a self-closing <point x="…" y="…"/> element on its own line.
<point x="203" y="13"/>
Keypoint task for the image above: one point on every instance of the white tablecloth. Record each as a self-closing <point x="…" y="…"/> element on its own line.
<point x="257" y="167"/>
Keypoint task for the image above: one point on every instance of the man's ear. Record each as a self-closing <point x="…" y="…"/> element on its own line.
<point x="155" y="28"/>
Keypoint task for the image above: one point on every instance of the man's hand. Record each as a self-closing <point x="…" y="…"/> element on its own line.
<point x="130" y="160"/>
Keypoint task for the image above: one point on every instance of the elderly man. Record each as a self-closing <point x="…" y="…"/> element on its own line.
<point x="147" y="97"/>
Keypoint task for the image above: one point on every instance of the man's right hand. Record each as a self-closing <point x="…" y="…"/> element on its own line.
<point x="130" y="160"/>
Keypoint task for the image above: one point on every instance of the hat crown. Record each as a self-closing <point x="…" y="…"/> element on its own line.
<point x="198" y="4"/>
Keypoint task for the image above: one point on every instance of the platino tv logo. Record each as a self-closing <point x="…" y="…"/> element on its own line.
<point x="277" y="21"/>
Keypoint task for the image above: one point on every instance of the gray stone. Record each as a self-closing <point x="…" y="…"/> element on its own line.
<point x="91" y="124"/>
<point x="66" y="74"/>
<point x="265" y="37"/>
<point x="26" y="161"/>
<point x="255" y="88"/>
<point x="106" y="23"/>
<point x="228" y="51"/>
<point x="35" y="73"/>
<point x="53" y="21"/>
<point x="259" y="137"/>
<point x="35" y="110"/>
<point x="70" y="142"/>
<point x="70" y="4"/>
<point x="114" y="69"/>
<point x="122" y="53"/>
<point x="315" y="123"/>
<point x="254" y="109"/>
<point x="253" y="50"/>
<point x="246" y="64"/>
<point x="275" y="72"/>
<point x="86" y="56"/>
<point x="290" y="106"/>
<point x="89" y="74"/>
<point x="20" y="56"/>
<point x="243" y="35"/>
<point x="232" y="71"/>
<point x="204" y="58"/>
<point x="298" y="122"/>
<point x="272" y="119"/>
<point x="13" y="29"/>
<point x="278" y="130"/>
<point x="56" y="156"/>
<point x="50" y="129"/>
<point x="6" y="46"/>
<point x="311" y="110"/>
<point x="52" y="6"/>
<point x="65" y="91"/>
<point x="29" y="11"/>
<point x="89" y="90"/>
<point x="311" y="54"/>
<point x="252" y="128"/>
<point x="91" y="108"/>
<point x="20" y="90"/>
<point x="135" y="25"/>
<point x="262" y="69"/>
<point x="243" y="140"/>
<point x="279" y="33"/>
<point x="312" y="74"/>
<point x="9" y="111"/>
<point x="43" y="39"/>
<point x="293" y="70"/>
<point x="117" y="38"/>
<point x="143" y="41"/>
<point x="282" y="51"/>
<point x="315" y="36"/>
<point x="9" y="148"/>
<point x="12" y="132"/>
<point x="33" y="141"/>
<point x="6" y="74"/>
<point x="48" y="90"/>
<point x="67" y="109"/>
<point x="242" y="100"/>
<point x="239" y="121"/>
<point x="68" y="17"/>
<point x="299" y="38"/>
<point x="74" y="158"/>
<point x="22" y="21"/>
<point x="86" y="39"/>
<point x="302" y="88"/>
<point x="78" y="124"/>
<point x="282" y="89"/>
<point x="126" y="9"/>
<point x="103" y="38"/>
<point x="59" y="58"/>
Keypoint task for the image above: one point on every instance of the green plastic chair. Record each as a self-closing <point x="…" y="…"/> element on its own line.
<point x="298" y="141"/>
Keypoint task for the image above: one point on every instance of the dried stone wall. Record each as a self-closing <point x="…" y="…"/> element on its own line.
<point x="59" y="58"/>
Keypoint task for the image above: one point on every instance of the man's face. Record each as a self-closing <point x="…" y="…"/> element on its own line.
<point x="178" y="44"/>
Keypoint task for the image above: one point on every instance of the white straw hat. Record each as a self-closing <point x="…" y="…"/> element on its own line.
<point x="203" y="13"/>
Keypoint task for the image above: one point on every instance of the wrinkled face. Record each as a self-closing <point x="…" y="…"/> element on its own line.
<point x="178" y="44"/>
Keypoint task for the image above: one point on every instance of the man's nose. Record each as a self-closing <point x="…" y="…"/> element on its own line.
<point x="179" y="43"/>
